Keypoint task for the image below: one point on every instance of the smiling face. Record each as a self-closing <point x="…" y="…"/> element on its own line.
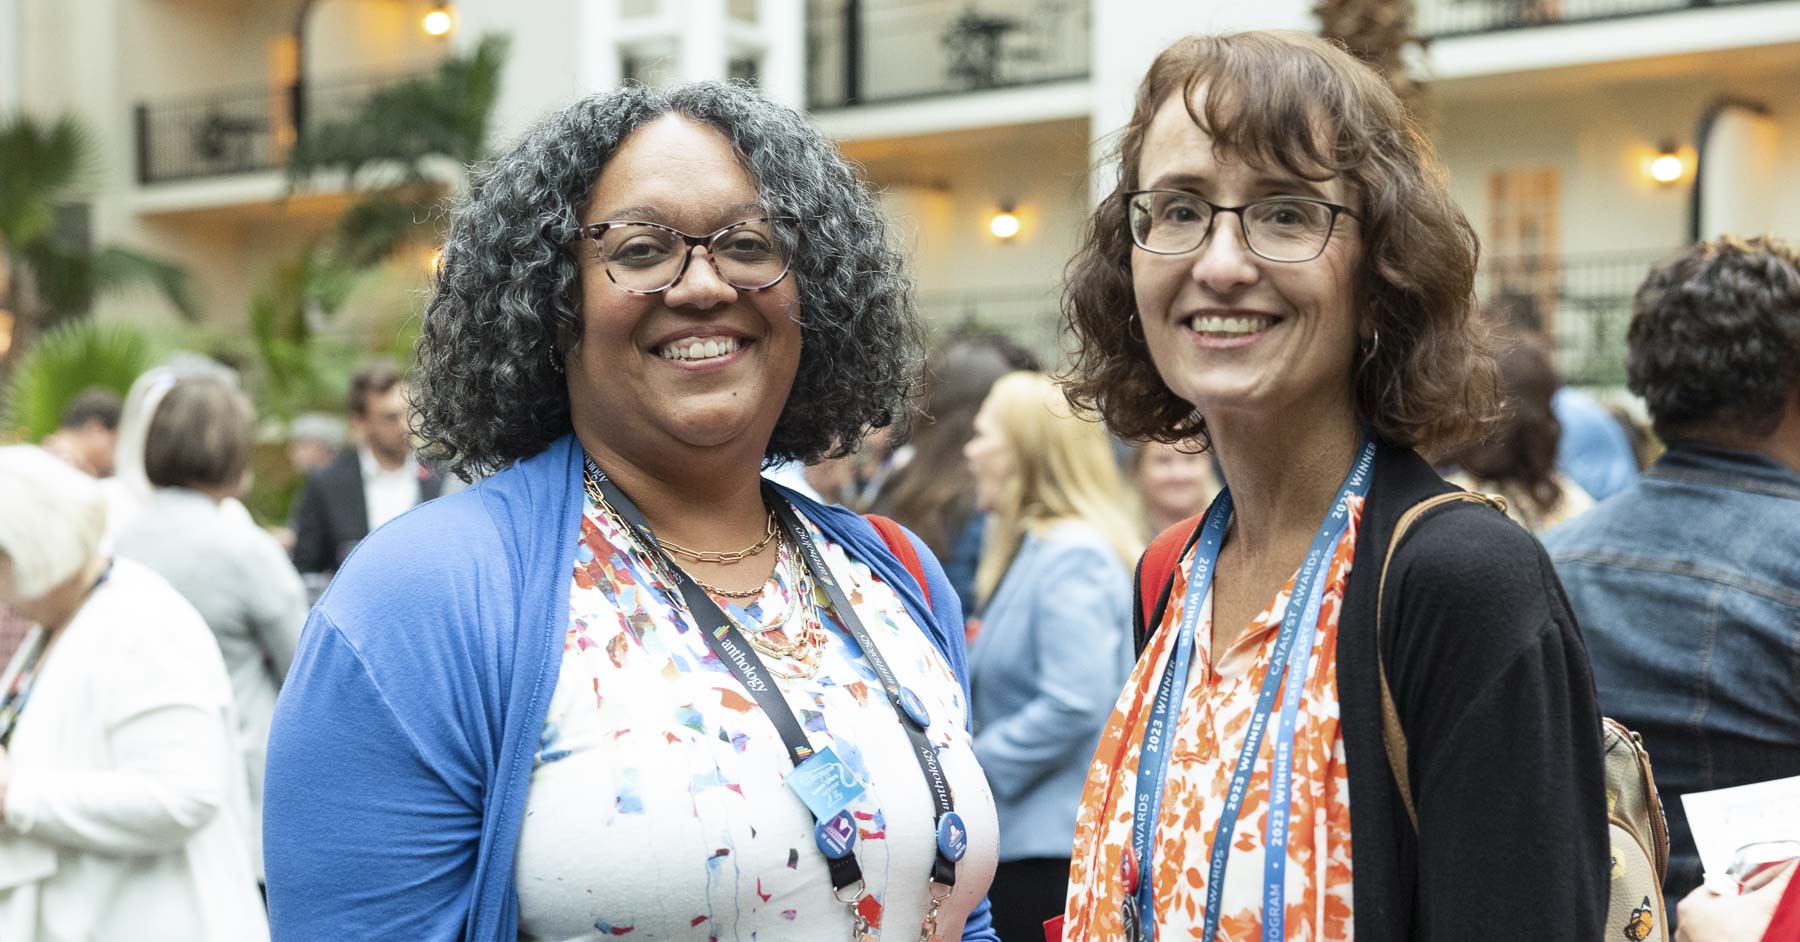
<point x="702" y="364"/>
<point x="1175" y="483"/>
<point x="1229" y="331"/>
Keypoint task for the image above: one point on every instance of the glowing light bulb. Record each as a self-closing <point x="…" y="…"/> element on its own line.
<point x="1666" y="168"/>
<point x="438" y="22"/>
<point x="1004" y="225"/>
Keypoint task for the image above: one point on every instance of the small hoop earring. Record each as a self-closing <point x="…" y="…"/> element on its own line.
<point x="556" y="363"/>
<point x="1137" y="335"/>
<point x="1374" y="345"/>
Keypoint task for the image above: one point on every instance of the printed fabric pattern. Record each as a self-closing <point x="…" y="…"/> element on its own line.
<point x="651" y="743"/>
<point x="1215" y="713"/>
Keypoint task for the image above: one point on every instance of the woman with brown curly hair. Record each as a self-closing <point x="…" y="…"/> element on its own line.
<point x="1280" y="273"/>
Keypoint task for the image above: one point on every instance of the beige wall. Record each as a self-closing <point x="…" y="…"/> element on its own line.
<point x="942" y="190"/>
<point x="1599" y="136"/>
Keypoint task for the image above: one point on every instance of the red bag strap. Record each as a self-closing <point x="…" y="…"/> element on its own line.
<point x="1158" y="566"/>
<point x="902" y="548"/>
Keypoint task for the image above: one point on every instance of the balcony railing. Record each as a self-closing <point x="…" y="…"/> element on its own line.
<point x="1442" y="18"/>
<point x="867" y="51"/>
<point x="1583" y="300"/>
<point x="238" y="130"/>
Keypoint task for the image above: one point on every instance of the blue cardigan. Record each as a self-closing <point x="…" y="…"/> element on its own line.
<point x="401" y="751"/>
<point x="1053" y="653"/>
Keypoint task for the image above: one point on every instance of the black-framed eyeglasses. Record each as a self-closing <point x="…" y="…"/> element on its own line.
<point x="1279" y="228"/>
<point x="649" y="258"/>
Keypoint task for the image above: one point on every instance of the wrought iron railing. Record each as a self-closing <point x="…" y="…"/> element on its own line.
<point x="239" y="130"/>
<point x="1442" y="18"/>
<point x="1584" y="301"/>
<point x="864" y="51"/>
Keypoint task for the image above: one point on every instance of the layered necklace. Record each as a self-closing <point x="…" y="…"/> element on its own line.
<point x="795" y="642"/>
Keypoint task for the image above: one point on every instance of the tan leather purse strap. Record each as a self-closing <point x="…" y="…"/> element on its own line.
<point x="1392" y="735"/>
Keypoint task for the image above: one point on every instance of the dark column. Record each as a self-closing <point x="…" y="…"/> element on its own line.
<point x="140" y="114"/>
<point x="852" y="51"/>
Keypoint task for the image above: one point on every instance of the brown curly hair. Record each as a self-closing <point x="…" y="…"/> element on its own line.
<point x="1295" y="101"/>
<point x="1714" y="343"/>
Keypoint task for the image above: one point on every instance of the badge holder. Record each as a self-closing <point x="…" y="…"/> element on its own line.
<point x="1131" y="921"/>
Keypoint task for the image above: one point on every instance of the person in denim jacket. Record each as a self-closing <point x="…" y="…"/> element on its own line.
<point x="1687" y="583"/>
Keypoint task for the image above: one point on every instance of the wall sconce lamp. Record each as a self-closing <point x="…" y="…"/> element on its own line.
<point x="1005" y="223"/>
<point x="1666" y="167"/>
<point x="438" y="21"/>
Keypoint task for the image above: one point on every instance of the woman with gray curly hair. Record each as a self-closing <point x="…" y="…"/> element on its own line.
<point x="625" y="684"/>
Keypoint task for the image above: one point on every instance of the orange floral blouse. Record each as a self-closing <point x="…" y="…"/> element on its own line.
<point x="1215" y="711"/>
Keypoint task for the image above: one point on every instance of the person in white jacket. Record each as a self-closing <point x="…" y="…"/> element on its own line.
<point x="123" y="803"/>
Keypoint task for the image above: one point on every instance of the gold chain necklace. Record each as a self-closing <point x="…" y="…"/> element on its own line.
<point x="591" y="484"/>
<point x="804" y="652"/>
<point x="708" y="556"/>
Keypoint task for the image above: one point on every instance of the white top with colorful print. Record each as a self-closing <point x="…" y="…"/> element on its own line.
<point x="658" y="808"/>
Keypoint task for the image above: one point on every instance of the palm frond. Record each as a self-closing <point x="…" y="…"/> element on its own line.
<point x="444" y="114"/>
<point x="65" y="361"/>
<point x="293" y="369"/>
<point x="43" y="162"/>
<point x="62" y="279"/>
<point x="117" y="268"/>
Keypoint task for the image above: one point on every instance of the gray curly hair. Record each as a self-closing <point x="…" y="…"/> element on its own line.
<point x="487" y="382"/>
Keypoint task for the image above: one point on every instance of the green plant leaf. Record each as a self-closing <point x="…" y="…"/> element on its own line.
<point x="44" y="162"/>
<point x="73" y="357"/>
<point x="406" y="123"/>
<point x="115" y="268"/>
<point x="383" y="222"/>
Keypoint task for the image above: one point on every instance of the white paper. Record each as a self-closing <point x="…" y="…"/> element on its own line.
<point x="1728" y="818"/>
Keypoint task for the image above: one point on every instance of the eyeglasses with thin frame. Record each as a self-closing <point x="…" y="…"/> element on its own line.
<point x="649" y="258"/>
<point x="1279" y="228"/>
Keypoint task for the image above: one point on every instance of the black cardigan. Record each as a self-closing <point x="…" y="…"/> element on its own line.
<point x="1491" y="679"/>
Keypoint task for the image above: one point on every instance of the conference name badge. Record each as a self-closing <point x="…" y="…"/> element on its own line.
<point x="825" y="784"/>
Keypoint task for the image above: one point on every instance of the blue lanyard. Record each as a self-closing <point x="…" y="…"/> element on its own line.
<point x="1293" y="645"/>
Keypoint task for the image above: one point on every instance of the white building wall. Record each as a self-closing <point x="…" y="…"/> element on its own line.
<point x="1600" y="140"/>
<point x="1742" y="170"/>
<point x="11" y="69"/>
<point x="1128" y="35"/>
<point x="783" y="34"/>
<point x="559" y="51"/>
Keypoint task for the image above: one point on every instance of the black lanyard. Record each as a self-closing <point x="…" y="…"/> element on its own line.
<point x="728" y="645"/>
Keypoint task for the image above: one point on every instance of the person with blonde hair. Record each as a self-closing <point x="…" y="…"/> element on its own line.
<point x="123" y="804"/>
<point x="1054" y="604"/>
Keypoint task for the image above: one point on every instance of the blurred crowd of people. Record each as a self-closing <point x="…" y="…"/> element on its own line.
<point x="160" y="698"/>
